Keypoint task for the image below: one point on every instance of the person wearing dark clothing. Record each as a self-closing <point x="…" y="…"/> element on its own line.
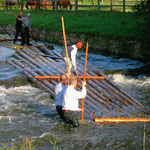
<point x="18" y="27"/>
<point x="26" y="26"/>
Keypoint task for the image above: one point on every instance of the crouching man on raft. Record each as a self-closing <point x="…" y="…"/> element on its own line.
<point x="70" y="102"/>
<point x="59" y="94"/>
<point x="72" y="52"/>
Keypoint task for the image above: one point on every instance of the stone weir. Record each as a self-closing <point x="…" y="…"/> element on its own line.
<point x="104" y="97"/>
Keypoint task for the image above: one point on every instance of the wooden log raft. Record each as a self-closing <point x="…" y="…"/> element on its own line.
<point x="104" y="97"/>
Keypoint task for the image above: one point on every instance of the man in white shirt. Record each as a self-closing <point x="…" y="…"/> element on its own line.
<point x="59" y="94"/>
<point x="70" y="102"/>
<point x="72" y="52"/>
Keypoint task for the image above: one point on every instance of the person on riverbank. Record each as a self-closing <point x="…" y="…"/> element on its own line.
<point x="26" y="27"/>
<point x="70" y="102"/>
<point x="18" y="27"/>
<point x="60" y="88"/>
<point x="72" y="52"/>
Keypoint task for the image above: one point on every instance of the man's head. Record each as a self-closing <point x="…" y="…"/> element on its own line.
<point x="28" y="15"/>
<point x="73" y="82"/>
<point x="21" y="14"/>
<point x="63" y="79"/>
<point x="79" y="45"/>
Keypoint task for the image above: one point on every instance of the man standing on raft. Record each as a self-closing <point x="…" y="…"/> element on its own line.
<point x="18" y="27"/>
<point x="72" y="52"/>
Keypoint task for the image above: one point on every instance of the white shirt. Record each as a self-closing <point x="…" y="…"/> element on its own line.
<point x="73" y="55"/>
<point x="72" y="52"/>
<point x="59" y="94"/>
<point x="71" y="97"/>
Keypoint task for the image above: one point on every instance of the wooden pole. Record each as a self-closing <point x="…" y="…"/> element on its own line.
<point x="85" y="66"/>
<point x="144" y="136"/>
<point x="55" y="5"/>
<point x="68" y="63"/>
<point x="76" y="5"/>
<point x="110" y="5"/>
<point x="110" y="120"/>
<point x="21" y="5"/>
<point x="98" y="6"/>
<point x="124" y="6"/>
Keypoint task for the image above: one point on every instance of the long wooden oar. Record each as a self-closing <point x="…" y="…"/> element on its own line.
<point x="29" y="29"/>
<point x="68" y="64"/>
<point x="85" y="66"/>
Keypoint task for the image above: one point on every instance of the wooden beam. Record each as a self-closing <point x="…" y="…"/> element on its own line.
<point x="81" y="77"/>
<point x="118" y="119"/>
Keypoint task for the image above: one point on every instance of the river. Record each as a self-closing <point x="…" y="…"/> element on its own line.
<point x="27" y="111"/>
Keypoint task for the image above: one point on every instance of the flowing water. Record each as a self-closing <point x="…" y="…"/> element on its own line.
<point x="27" y="111"/>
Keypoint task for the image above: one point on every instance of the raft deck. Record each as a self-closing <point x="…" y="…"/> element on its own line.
<point x="104" y="97"/>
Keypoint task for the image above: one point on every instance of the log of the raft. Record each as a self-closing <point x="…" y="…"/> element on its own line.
<point x="51" y="63"/>
<point x="31" y="77"/>
<point x="112" y="87"/>
<point x="5" y="40"/>
<point x="105" y="93"/>
<point x="34" y="62"/>
<point x="57" y="67"/>
<point x="109" y="85"/>
<point x="41" y="83"/>
<point x="115" y="85"/>
<point x="18" y="63"/>
<point x="119" y="120"/>
<point x="88" y="81"/>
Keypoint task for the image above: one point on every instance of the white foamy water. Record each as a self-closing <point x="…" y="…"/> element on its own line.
<point x="21" y="89"/>
<point x="13" y="96"/>
<point x="130" y="81"/>
<point x="137" y="87"/>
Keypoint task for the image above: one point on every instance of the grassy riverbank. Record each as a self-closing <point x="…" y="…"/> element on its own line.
<point x="114" y="25"/>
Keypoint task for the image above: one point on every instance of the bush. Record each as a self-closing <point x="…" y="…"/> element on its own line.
<point x="142" y="9"/>
<point x="142" y="12"/>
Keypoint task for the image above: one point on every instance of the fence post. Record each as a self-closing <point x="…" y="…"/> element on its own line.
<point x="41" y="4"/>
<point x="98" y="6"/>
<point x="76" y="5"/>
<point x="4" y="4"/>
<point x="21" y="2"/>
<point x="110" y="5"/>
<point x="124" y="9"/>
<point x="55" y="5"/>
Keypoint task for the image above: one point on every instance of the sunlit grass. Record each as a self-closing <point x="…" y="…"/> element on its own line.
<point x="114" y="25"/>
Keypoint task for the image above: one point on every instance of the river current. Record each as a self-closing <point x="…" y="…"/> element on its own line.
<point x="27" y="111"/>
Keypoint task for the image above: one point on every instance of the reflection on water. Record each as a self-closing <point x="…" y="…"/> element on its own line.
<point x="28" y="111"/>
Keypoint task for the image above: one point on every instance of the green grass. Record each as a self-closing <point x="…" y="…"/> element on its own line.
<point x="114" y="25"/>
<point x="30" y="144"/>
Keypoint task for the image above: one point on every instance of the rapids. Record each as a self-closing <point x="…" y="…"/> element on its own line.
<point x="27" y="111"/>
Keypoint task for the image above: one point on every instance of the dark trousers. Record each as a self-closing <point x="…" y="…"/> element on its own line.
<point x="71" y="118"/>
<point x="25" y="35"/>
<point x="60" y="112"/>
<point x="18" y="30"/>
